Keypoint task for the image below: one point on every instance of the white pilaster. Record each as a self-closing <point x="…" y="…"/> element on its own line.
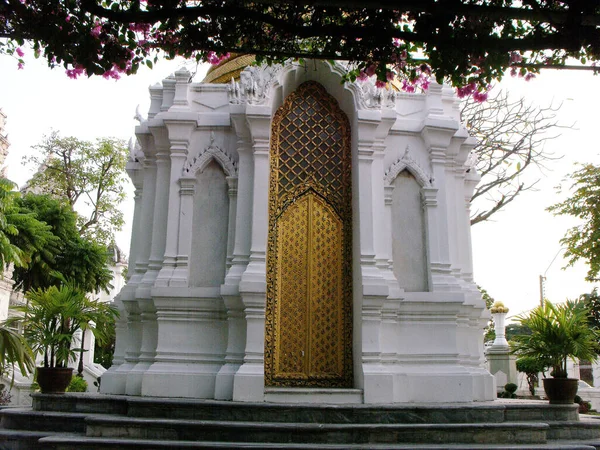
<point x="138" y="304"/>
<point x="115" y="378"/>
<point x="230" y="290"/>
<point x="180" y="220"/>
<point x="377" y="382"/>
<point x="249" y="380"/>
<point x="437" y="132"/>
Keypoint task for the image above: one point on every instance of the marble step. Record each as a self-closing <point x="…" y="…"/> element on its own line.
<point x="23" y="439"/>
<point x="80" y="403"/>
<point x="90" y="443"/>
<point x="582" y="429"/>
<point x="27" y="419"/>
<point x="196" y="430"/>
<point x="485" y="412"/>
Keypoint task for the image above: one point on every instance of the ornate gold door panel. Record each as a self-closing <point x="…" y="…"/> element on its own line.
<point x="308" y="331"/>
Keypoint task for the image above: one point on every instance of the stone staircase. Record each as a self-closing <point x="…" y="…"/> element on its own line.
<point x="87" y="421"/>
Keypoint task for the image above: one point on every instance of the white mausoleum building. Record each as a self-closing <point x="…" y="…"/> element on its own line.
<point x="297" y="239"/>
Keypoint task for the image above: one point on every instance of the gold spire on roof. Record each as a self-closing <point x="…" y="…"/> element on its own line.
<point x="228" y="69"/>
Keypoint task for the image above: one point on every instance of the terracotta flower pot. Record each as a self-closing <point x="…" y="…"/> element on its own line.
<point x="561" y="391"/>
<point x="54" y="380"/>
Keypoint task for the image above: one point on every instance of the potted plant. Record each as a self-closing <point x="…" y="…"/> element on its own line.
<point x="558" y="332"/>
<point x="50" y="318"/>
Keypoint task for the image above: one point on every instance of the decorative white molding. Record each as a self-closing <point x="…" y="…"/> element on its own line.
<point x="372" y="97"/>
<point x="138" y="115"/>
<point x="407" y="162"/>
<point x="471" y="162"/>
<point x="255" y="85"/>
<point x="135" y="150"/>
<point x="199" y="162"/>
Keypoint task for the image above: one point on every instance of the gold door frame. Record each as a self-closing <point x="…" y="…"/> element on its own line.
<point x="309" y="189"/>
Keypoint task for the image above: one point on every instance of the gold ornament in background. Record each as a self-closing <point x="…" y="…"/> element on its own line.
<point x="230" y="68"/>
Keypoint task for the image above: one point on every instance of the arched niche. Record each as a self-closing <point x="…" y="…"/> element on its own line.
<point x="209" y="226"/>
<point x="409" y="245"/>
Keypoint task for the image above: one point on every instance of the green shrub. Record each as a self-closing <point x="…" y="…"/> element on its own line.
<point x="510" y="388"/>
<point x="77" y="384"/>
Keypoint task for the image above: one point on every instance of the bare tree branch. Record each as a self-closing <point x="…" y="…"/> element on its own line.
<point x="511" y="135"/>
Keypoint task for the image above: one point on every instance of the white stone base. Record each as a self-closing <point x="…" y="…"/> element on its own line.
<point x="114" y="380"/>
<point x="249" y="383"/>
<point x="183" y="381"/>
<point x="313" y="396"/>
<point x="434" y="388"/>
<point x="224" y="382"/>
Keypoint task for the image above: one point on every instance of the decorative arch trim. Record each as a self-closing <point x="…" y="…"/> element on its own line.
<point x="406" y="162"/>
<point x="199" y="162"/>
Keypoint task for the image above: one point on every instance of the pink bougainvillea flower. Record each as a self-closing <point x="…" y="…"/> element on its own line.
<point x="75" y="72"/>
<point x="380" y="84"/>
<point x="20" y="66"/>
<point x="19" y="52"/>
<point x="96" y="30"/>
<point x="480" y="97"/>
<point x="215" y="59"/>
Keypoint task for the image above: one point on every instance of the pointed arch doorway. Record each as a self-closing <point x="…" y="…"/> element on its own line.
<point x="308" y="323"/>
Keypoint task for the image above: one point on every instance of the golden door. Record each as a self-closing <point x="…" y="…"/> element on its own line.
<point x="308" y="326"/>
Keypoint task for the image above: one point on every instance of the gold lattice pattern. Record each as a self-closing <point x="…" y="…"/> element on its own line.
<point x="293" y="288"/>
<point x="310" y="145"/>
<point x="308" y="326"/>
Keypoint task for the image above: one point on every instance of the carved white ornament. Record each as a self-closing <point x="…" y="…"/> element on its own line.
<point x="138" y="115"/>
<point x="135" y="150"/>
<point x="254" y="85"/>
<point x="407" y="162"/>
<point x="372" y="97"/>
<point x="471" y="162"/>
<point x="199" y="162"/>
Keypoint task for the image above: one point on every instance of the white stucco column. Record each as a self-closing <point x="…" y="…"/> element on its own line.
<point x="437" y="132"/>
<point x="230" y="292"/>
<point x="377" y="381"/>
<point x="232" y="191"/>
<point x="115" y="378"/>
<point x="475" y="312"/>
<point x="159" y="223"/>
<point x="178" y="233"/>
<point x="249" y="380"/>
<point x="140" y="306"/>
<point x="178" y="155"/>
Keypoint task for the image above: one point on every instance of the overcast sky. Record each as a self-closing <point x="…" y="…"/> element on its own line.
<point x="510" y="251"/>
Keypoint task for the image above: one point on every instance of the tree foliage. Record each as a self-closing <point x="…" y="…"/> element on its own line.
<point x="490" y="332"/>
<point x="465" y="42"/>
<point x="581" y="241"/>
<point x="21" y="234"/>
<point x="67" y="253"/>
<point x="511" y="135"/>
<point x="513" y="329"/>
<point x="90" y="176"/>
<point x="531" y="367"/>
<point x="592" y="302"/>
